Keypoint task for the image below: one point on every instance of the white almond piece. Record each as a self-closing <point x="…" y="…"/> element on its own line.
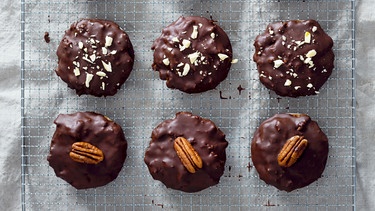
<point x="288" y="82"/>
<point x="80" y="45"/>
<point x="93" y="57"/>
<point x="200" y="25"/>
<point x="283" y="37"/>
<point x="166" y="61"/>
<point x="170" y="49"/>
<point x="277" y="63"/>
<point x="88" y="79"/>
<point x="193" y="57"/>
<point x="270" y="31"/>
<point x="186" y="43"/>
<point x="113" y="52"/>
<point x="175" y="39"/>
<point x="101" y="74"/>
<point x="234" y="61"/>
<point x="307" y="37"/>
<point x="76" y="71"/>
<point x="182" y="48"/>
<point x="186" y="70"/>
<point x="307" y="60"/>
<point x="108" y="41"/>
<point x="299" y="43"/>
<point x="104" y="50"/>
<point x="310" y="85"/>
<point x="311" y="64"/>
<point x="180" y="65"/>
<point x="311" y="53"/>
<point x="194" y="34"/>
<point x="103" y="86"/>
<point x="297" y="87"/>
<point x="212" y="35"/>
<point x="222" y="56"/>
<point x="86" y="59"/>
<point x="108" y="66"/>
<point x="314" y="28"/>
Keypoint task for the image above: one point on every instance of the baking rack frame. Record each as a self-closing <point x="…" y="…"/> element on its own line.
<point x="240" y="188"/>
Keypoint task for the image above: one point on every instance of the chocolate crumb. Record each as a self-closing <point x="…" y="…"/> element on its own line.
<point x="249" y="166"/>
<point x="240" y="88"/>
<point x="269" y="204"/>
<point x="46" y="37"/>
<point x="221" y="96"/>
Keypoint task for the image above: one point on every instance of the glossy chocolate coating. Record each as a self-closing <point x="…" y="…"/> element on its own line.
<point x="193" y="43"/>
<point x="209" y="142"/>
<point x="270" y="138"/>
<point x="297" y="75"/>
<point x="95" y="57"/>
<point x="97" y="130"/>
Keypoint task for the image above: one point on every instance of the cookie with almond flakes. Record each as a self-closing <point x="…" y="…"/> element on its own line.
<point x="193" y="54"/>
<point x="294" y="58"/>
<point x="95" y="57"/>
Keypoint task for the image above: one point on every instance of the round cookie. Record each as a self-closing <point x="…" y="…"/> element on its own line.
<point x="193" y="54"/>
<point x="95" y="57"/>
<point x="294" y="58"/>
<point x="279" y="170"/>
<point x="174" y="136"/>
<point x="77" y="133"/>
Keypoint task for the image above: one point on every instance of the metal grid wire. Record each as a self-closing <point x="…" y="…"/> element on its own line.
<point x="144" y="101"/>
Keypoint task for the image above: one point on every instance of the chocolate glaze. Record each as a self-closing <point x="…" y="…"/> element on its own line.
<point x="209" y="142"/>
<point x="296" y="76"/>
<point x="97" y="130"/>
<point x="269" y="139"/>
<point x="84" y="48"/>
<point x="170" y="55"/>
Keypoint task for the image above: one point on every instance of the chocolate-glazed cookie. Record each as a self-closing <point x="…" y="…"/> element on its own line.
<point x="174" y="138"/>
<point x="289" y="151"/>
<point x="95" y="57"/>
<point x="87" y="149"/>
<point x="294" y="58"/>
<point x="193" y="54"/>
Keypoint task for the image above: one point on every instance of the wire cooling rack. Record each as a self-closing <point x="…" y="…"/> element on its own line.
<point x="144" y="101"/>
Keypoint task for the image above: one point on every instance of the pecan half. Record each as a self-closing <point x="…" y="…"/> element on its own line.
<point x="291" y="151"/>
<point x="84" y="152"/>
<point x="187" y="154"/>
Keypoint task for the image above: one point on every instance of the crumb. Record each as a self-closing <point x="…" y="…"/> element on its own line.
<point x="46" y="37"/>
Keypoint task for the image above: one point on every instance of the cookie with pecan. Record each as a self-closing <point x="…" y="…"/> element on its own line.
<point x="289" y="151"/>
<point x="87" y="149"/>
<point x="186" y="153"/>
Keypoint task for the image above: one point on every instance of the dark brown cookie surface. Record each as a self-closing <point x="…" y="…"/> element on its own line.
<point x="294" y="58"/>
<point x="207" y="140"/>
<point x="270" y="138"/>
<point x="193" y="54"/>
<point x="95" y="57"/>
<point x="98" y="131"/>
